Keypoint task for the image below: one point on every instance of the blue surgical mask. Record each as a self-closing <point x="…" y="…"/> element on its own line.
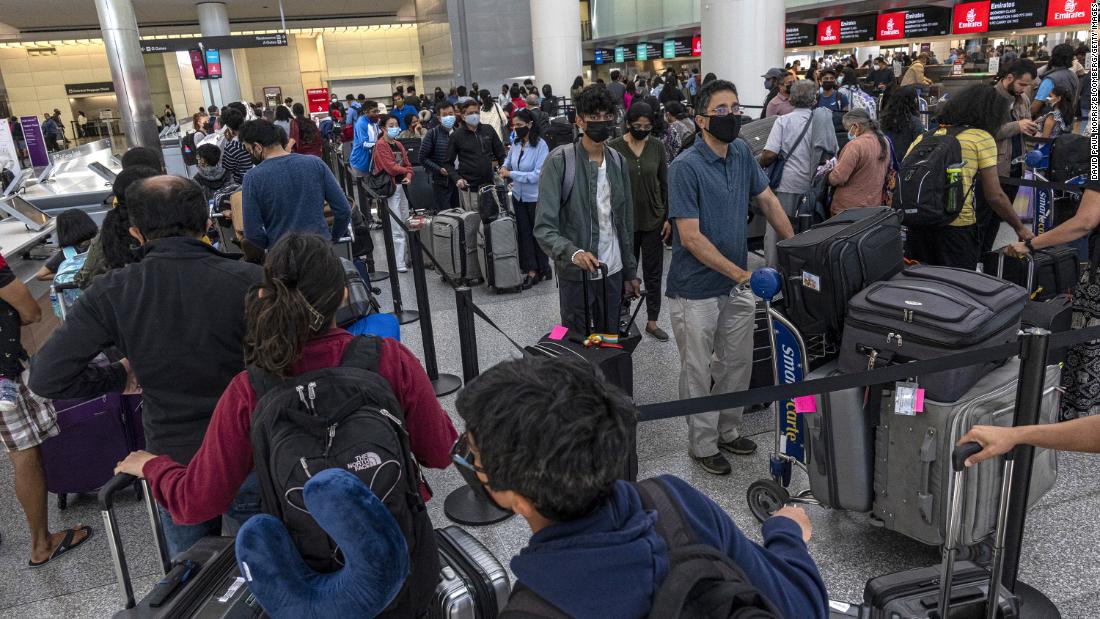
<point x="393" y="132"/>
<point x="448" y="121"/>
<point x="852" y="136"/>
<point x="472" y="119"/>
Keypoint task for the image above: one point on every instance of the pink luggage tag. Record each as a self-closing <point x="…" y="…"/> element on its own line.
<point x="918" y="401"/>
<point x="558" y="333"/>
<point x="805" y="404"/>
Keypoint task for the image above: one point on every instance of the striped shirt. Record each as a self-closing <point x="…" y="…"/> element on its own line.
<point x="979" y="152"/>
<point x="237" y="160"/>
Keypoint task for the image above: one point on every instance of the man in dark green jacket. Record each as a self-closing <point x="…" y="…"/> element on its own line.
<point x="585" y="219"/>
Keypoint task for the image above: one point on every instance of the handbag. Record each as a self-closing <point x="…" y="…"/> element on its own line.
<point x="1081" y="376"/>
<point x="775" y="170"/>
<point x="380" y="183"/>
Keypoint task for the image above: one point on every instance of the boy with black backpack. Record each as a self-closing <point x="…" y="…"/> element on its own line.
<point x="548" y="439"/>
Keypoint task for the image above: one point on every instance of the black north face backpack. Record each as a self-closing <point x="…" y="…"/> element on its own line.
<point x="344" y="417"/>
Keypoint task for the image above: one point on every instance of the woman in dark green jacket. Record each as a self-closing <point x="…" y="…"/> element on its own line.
<point x="645" y="161"/>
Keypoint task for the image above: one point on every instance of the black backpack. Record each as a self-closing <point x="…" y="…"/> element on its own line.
<point x="344" y="417"/>
<point x="1069" y="157"/>
<point x="702" y="582"/>
<point x="922" y="183"/>
<point x="187" y="149"/>
<point x="559" y="132"/>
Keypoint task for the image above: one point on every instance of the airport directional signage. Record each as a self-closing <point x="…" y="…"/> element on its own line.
<point x="160" y="46"/>
<point x="679" y="47"/>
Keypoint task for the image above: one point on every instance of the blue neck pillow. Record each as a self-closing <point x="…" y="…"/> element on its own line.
<point x="376" y="558"/>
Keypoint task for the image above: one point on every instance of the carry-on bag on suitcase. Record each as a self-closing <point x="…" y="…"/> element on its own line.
<point x="473" y="584"/>
<point x="826" y="265"/>
<point x="454" y="244"/>
<point x="926" y="312"/>
<point x="912" y="467"/>
<point x="953" y="589"/>
<point x="1045" y="274"/>
<point x="498" y="254"/>
<point x="840" y="447"/>
<point x="94" y="436"/>
<point x="202" y="582"/>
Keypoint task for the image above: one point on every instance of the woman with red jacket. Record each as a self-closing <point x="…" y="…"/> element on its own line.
<point x="305" y="137"/>
<point x="290" y="331"/>
<point x="391" y="157"/>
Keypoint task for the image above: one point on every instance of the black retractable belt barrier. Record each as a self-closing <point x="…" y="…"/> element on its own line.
<point x="467" y="333"/>
<point x="404" y="316"/>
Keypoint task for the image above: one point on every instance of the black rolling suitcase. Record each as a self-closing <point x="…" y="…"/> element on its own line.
<point x="1045" y="274"/>
<point x="473" y="584"/>
<point x="201" y="582"/>
<point x="826" y="265"/>
<point x="963" y="587"/>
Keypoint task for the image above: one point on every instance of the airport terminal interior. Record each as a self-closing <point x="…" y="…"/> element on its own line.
<point x="84" y="82"/>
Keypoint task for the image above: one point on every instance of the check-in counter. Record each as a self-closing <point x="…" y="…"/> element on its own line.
<point x="71" y="184"/>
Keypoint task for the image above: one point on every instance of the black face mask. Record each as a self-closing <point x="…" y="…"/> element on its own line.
<point x="598" y="132"/>
<point x="725" y="128"/>
<point x="255" y="160"/>
<point x="828" y="85"/>
<point x="521" y="133"/>
<point x="640" y="134"/>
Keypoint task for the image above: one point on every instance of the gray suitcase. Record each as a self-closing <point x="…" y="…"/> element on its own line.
<point x="840" y="457"/>
<point x="913" y="458"/>
<point x="454" y="244"/>
<point x="927" y="312"/>
<point x="498" y="254"/>
<point x="473" y="584"/>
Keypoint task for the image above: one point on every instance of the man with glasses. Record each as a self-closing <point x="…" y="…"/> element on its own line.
<point x="548" y="440"/>
<point x="712" y="309"/>
<point x="585" y="218"/>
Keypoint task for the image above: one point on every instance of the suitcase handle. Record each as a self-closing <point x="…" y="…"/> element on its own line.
<point x="114" y="538"/>
<point x="1030" y="267"/>
<point x="111" y="488"/>
<point x="961" y="453"/>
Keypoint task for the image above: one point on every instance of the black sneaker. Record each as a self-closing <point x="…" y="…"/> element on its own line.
<point x="657" y="333"/>
<point x="715" y="465"/>
<point x="740" y="446"/>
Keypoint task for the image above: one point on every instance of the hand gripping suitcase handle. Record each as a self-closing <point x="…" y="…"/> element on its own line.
<point x="960" y="454"/>
<point x="1030" y="268"/>
<point x="588" y="322"/>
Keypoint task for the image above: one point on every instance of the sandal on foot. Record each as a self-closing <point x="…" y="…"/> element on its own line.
<point x="65" y="546"/>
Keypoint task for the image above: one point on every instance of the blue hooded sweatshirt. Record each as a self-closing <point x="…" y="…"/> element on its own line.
<point x="609" y="564"/>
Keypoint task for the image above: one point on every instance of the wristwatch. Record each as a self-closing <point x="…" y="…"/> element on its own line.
<point x="1029" y="246"/>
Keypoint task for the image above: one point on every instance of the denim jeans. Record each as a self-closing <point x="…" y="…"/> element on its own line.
<point x="246" y="504"/>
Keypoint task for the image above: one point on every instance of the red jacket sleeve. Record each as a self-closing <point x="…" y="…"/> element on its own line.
<point x="431" y="432"/>
<point x="205" y="488"/>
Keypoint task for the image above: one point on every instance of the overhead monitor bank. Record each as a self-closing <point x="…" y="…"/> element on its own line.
<point x="967" y="18"/>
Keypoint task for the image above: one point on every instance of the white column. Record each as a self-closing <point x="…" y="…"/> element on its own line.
<point x="214" y="22"/>
<point x="120" y="38"/>
<point x="556" y="44"/>
<point x="742" y="39"/>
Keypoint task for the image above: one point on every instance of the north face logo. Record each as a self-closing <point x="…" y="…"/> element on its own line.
<point x="365" y="461"/>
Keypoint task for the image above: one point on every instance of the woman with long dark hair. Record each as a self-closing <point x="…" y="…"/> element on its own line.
<point x="973" y="116"/>
<point x="283" y="118"/>
<point x="1059" y="119"/>
<point x="523" y="167"/>
<point x="305" y="137"/>
<point x="900" y="120"/>
<point x="576" y="88"/>
<point x="291" y="330"/>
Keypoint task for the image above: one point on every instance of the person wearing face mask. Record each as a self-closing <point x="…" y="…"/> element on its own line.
<point x="881" y="76"/>
<point x="712" y="308"/>
<point x="401" y="109"/>
<point x="772" y="81"/>
<point x="433" y="157"/>
<point x="522" y="168"/>
<point x="286" y="192"/>
<point x="212" y="175"/>
<point x="645" y="160"/>
<point x="472" y="151"/>
<point x="780" y="104"/>
<point x="1059" y="117"/>
<point x="585" y="218"/>
<point x="860" y="172"/>
<point x="234" y="157"/>
<point x="391" y="157"/>
<point x="365" y="133"/>
<point x="830" y="98"/>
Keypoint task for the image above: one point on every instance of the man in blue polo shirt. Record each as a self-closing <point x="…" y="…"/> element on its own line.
<point x="712" y="309"/>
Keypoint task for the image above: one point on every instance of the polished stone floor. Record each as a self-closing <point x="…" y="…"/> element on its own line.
<point x="1060" y="557"/>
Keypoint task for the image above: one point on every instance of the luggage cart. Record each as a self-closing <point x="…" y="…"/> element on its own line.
<point x="792" y="355"/>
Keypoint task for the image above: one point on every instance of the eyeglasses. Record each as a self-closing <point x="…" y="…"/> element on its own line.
<point x="722" y="110"/>
<point x="598" y="118"/>
<point x="462" y="456"/>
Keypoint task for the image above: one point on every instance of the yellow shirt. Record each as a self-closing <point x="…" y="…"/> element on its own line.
<point x="979" y="151"/>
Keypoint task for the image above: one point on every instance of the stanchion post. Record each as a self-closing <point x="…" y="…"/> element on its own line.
<point x="442" y="383"/>
<point x="404" y="316"/>
<point x="360" y="192"/>
<point x="467" y="334"/>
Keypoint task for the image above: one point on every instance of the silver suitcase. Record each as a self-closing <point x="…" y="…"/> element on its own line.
<point x="454" y="243"/>
<point x="498" y="254"/>
<point x="473" y="584"/>
<point x="840" y="450"/>
<point x="913" y="459"/>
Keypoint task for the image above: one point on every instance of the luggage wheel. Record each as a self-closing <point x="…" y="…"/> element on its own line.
<point x="765" y="497"/>
<point x="62" y="500"/>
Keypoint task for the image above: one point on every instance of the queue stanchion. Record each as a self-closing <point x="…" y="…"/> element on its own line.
<point x="443" y="384"/>
<point x="404" y="316"/>
<point x="467" y="334"/>
<point x="364" y="203"/>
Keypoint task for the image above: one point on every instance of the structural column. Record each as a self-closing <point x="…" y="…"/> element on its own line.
<point x="120" y="37"/>
<point x="742" y="39"/>
<point x="214" y="22"/>
<point x="556" y="43"/>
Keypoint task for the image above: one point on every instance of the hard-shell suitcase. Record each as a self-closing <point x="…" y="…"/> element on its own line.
<point x="202" y="582"/>
<point x="473" y="584"/>
<point x="912" y="458"/>
<point x="1045" y="274"/>
<point x="498" y="254"/>
<point x="926" y="312"/>
<point x="826" y="265"/>
<point x="454" y="244"/>
<point x="840" y="447"/>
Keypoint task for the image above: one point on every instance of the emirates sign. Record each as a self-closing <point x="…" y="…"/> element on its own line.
<point x="828" y="32"/>
<point x="1069" y="12"/>
<point x="891" y="26"/>
<point x="971" y="17"/>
